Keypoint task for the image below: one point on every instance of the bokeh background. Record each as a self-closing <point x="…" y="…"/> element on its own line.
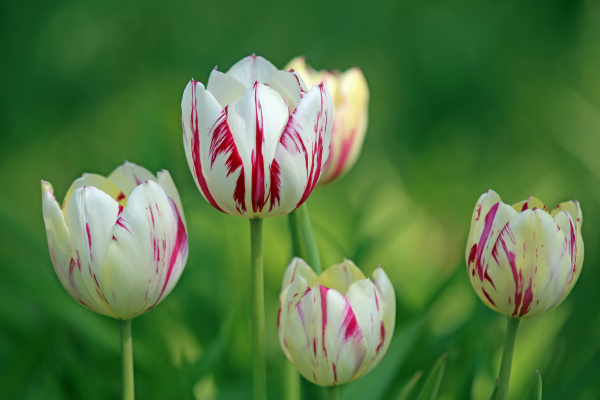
<point x="465" y="96"/>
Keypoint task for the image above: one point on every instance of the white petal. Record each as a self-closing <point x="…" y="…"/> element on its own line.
<point x="298" y="267"/>
<point x="387" y="304"/>
<point x="289" y="85"/>
<point x="59" y="243"/>
<point x="530" y="266"/>
<point x="90" y="217"/>
<point x="166" y="182"/>
<point x="256" y="122"/>
<point x="211" y="150"/>
<point x="288" y="299"/>
<point x="303" y="150"/>
<point x="364" y="299"/>
<point x="129" y="175"/>
<point x="99" y="182"/>
<point x="574" y="210"/>
<point x="324" y="339"/>
<point x="225" y="88"/>
<point x="147" y="253"/>
<point x="252" y="69"/>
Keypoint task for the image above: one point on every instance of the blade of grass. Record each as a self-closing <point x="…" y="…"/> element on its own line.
<point x="434" y="380"/>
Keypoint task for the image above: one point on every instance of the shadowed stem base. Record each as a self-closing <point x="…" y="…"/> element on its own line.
<point x="333" y="393"/>
<point x="259" y="362"/>
<point x="507" y="355"/>
<point x="127" y="359"/>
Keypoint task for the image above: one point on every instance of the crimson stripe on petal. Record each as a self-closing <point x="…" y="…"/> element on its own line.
<point x="258" y="164"/>
<point x="195" y="144"/>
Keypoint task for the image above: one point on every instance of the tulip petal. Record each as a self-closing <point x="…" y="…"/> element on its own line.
<point x="341" y="276"/>
<point x="387" y="303"/>
<point x="59" y="243"/>
<point x="129" y="175"/>
<point x="489" y="217"/>
<point x="99" y="182"/>
<point x="166" y="182"/>
<point x="147" y="253"/>
<point x="90" y="217"/>
<point x="574" y="210"/>
<point x="288" y="299"/>
<point x="530" y="204"/>
<point x="350" y="121"/>
<point x="324" y="339"/>
<point x="303" y="150"/>
<point x="256" y="122"/>
<point x="298" y="267"/>
<point x="364" y="299"/>
<point x="225" y="88"/>
<point x="530" y="265"/>
<point x="252" y="69"/>
<point x="289" y="85"/>
<point x="212" y="151"/>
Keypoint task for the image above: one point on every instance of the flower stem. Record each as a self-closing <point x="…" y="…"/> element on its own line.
<point x="259" y="362"/>
<point x="127" y="359"/>
<point x="507" y="356"/>
<point x="303" y="240"/>
<point x="333" y="393"/>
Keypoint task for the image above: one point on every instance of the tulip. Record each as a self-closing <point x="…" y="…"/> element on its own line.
<point x="337" y="326"/>
<point x="118" y="244"/>
<point x="524" y="260"/>
<point x="350" y="95"/>
<point x="256" y="141"/>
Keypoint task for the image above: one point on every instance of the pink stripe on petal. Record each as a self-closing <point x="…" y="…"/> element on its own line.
<point x="258" y="164"/>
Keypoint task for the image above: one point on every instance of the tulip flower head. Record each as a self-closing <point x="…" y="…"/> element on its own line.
<point x="118" y="244"/>
<point x="256" y="141"/>
<point x="350" y="95"/>
<point x="524" y="260"/>
<point x="337" y="326"/>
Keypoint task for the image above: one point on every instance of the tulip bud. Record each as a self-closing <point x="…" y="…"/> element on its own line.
<point x="524" y="260"/>
<point x="118" y="244"/>
<point x="256" y="141"/>
<point x="337" y="326"/>
<point x="350" y="95"/>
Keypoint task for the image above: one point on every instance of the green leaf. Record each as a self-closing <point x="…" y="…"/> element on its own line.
<point x="538" y="387"/>
<point x="493" y="395"/>
<point x="432" y="383"/>
<point x="378" y="382"/>
<point x="407" y="389"/>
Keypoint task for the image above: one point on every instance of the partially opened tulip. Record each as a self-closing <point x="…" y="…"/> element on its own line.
<point x="337" y="326"/>
<point x="523" y="260"/>
<point x="350" y="95"/>
<point x="256" y="141"/>
<point x="118" y="244"/>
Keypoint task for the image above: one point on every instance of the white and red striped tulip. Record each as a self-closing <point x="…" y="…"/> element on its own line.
<point x="524" y="260"/>
<point x="337" y="326"/>
<point x="350" y="95"/>
<point x="118" y="244"/>
<point x="256" y="141"/>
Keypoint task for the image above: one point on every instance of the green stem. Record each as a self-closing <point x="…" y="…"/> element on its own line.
<point x="303" y="240"/>
<point x="259" y="362"/>
<point x="333" y="393"/>
<point x="291" y="384"/>
<point x="127" y="359"/>
<point x="507" y="356"/>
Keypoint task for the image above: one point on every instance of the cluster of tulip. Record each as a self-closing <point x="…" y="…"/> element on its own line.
<point x="258" y="140"/>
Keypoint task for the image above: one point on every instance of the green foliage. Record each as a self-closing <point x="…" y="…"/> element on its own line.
<point x="465" y="96"/>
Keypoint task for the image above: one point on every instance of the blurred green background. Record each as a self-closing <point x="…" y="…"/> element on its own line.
<point x="465" y="96"/>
